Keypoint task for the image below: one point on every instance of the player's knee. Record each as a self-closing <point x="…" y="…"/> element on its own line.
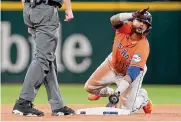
<point x="87" y="88"/>
<point x="87" y="85"/>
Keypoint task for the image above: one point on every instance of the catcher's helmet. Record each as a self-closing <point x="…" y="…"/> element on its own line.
<point x="147" y="19"/>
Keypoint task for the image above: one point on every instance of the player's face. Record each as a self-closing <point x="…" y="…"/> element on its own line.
<point x="139" y="26"/>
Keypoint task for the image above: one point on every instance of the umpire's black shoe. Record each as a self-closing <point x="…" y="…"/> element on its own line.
<point x="23" y="107"/>
<point x="63" y="111"/>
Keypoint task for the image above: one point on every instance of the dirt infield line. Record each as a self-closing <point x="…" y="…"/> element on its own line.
<point x="160" y="113"/>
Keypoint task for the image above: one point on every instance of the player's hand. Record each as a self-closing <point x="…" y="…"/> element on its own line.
<point x="140" y="13"/>
<point x="68" y="15"/>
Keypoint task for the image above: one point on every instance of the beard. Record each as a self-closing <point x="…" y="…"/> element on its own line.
<point x="138" y="30"/>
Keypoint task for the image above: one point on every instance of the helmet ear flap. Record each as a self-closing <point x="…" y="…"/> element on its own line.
<point x="148" y="30"/>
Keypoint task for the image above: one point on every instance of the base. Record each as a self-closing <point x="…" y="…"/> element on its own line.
<point x="102" y="111"/>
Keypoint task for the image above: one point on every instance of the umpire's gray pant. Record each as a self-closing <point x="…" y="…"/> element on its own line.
<point x="44" y="22"/>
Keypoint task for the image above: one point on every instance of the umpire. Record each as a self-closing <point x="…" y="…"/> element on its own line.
<point x="41" y="17"/>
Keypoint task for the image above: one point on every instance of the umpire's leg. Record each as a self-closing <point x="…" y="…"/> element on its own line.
<point x="52" y="88"/>
<point x="33" y="80"/>
<point x="54" y="96"/>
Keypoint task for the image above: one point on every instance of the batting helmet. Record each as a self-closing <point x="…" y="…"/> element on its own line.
<point x="147" y="18"/>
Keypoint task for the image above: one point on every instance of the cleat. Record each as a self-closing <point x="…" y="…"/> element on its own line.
<point x="93" y="97"/>
<point x="148" y="107"/>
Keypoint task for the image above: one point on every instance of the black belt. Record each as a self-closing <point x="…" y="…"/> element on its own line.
<point x="49" y="2"/>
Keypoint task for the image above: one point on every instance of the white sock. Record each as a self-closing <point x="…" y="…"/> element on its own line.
<point x="122" y="86"/>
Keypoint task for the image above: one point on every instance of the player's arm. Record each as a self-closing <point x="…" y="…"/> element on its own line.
<point x="118" y="19"/>
<point x="132" y="73"/>
<point x="137" y="63"/>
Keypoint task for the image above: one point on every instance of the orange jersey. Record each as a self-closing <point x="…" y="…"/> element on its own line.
<point x="126" y="52"/>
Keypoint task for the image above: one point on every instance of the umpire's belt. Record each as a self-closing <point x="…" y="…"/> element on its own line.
<point x="48" y="2"/>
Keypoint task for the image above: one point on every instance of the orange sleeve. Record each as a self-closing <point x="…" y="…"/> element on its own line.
<point x="125" y="28"/>
<point x="140" y="55"/>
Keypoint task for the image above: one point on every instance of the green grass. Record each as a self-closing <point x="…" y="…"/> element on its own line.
<point x="75" y="94"/>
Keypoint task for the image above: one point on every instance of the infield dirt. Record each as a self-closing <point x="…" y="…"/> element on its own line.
<point x="159" y="113"/>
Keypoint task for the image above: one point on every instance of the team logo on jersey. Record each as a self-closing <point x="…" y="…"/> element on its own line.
<point x="136" y="58"/>
<point x="119" y="45"/>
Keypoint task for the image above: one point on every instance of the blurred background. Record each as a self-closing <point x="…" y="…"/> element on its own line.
<point x="86" y="41"/>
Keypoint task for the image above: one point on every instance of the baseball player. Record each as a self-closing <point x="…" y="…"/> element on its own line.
<point x="41" y="17"/>
<point x="126" y="65"/>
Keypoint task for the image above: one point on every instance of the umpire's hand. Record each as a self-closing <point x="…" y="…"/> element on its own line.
<point x="68" y="15"/>
<point x="29" y="30"/>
